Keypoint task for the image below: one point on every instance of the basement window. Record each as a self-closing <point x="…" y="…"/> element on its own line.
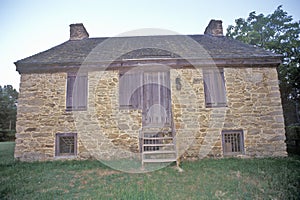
<point x="233" y="142"/>
<point x="66" y="144"/>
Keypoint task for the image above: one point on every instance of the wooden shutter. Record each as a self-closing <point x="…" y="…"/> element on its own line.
<point x="124" y="90"/>
<point x="70" y="85"/>
<point x="220" y="89"/>
<point x="130" y="90"/>
<point x="214" y="88"/>
<point x="81" y="92"/>
<point x="136" y="84"/>
<point x="77" y="91"/>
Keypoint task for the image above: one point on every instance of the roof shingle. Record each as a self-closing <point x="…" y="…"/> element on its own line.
<point x="75" y="52"/>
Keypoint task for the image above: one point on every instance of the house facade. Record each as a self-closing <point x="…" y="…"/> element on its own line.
<point x="154" y="98"/>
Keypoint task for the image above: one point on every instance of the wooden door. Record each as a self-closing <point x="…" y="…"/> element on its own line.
<point x="156" y="99"/>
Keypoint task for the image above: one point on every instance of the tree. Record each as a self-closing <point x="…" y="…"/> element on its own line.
<point x="278" y="33"/>
<point x="8" y="107"/>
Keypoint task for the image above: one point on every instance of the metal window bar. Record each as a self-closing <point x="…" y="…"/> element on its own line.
<point x="66" y="145"/>
<point x="232" y="142"/>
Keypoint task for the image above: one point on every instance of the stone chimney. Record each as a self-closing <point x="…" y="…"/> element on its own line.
<point x="78" y="32"/>
<point x="214" y="28"/>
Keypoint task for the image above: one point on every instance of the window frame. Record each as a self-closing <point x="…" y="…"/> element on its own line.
<point x="57" y="145"/>
<point x="73" y="81"/>
<point x="214" y="78"/>
<point x="241" y="143"/>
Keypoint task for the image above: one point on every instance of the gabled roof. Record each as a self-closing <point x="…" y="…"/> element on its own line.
<point x="167" y="49"/>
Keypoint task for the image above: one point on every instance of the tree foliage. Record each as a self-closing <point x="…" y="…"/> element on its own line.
<point x="8" y="107"/>
<point x="276" y="32"/>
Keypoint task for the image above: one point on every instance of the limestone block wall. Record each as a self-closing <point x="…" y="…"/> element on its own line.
<point x="106" y="132"/>
<point x="255" y="92"/>
<point x="41" y="114"/>
<point x="187" y="108"/>
<point x="253" y="105"/>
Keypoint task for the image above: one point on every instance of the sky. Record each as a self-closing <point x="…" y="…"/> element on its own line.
<point x="31" y="26"/>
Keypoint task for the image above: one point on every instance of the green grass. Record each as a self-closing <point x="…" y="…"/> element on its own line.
<point x="205" y="179"/>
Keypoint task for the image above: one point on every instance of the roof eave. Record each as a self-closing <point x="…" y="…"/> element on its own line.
<point x="171" y="62"/>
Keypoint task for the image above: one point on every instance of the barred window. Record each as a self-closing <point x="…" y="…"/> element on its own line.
<point x="66" y="144"/>
<point x="233" y="142"/>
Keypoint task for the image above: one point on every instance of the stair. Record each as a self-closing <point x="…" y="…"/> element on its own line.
<point x="158" y="145"/>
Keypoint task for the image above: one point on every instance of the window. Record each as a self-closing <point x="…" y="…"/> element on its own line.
<point x="214" y="88"/>
<point x="77" y="87"/>
<point x="66" y="144"/>
<point x="130" y="90"/>
<point x="233" y="142"/>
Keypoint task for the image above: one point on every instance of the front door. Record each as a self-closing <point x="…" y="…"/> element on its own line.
<point x="156" y="99"/>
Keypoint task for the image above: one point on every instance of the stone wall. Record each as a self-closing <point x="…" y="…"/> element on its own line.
<point x="106" y="132"/>
<point x="254" y="106"/>
<point x="41" y="114"/>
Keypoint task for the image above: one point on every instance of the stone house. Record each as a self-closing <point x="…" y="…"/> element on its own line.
<point x="155" y="98"/>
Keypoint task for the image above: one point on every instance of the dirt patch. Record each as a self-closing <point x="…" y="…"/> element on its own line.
<point x="101" y="172"/>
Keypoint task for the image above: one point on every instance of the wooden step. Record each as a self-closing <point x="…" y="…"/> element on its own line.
<point x="157" y="138"/>
<point x="159" y="160"/>
<point x="159" y="152"/>
<point x="157" y="127"/>
<point x="164" y="151"/>
<point x="157" y="133"/>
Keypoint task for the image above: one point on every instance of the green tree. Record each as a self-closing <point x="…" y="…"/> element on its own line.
<point x="276" y="32"/>
<point x="8" y="107"/>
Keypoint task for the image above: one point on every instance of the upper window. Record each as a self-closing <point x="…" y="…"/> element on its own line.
<point x="77" y="86"/>
<point x="130" y="90"/>
<point x="214" y="88"/>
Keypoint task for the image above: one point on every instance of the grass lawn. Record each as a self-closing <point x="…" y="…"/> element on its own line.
<point x="205" y="179"/>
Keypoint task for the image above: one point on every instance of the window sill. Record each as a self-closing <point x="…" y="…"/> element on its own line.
<point x="65" y="157"/>
<point x="128" y="108"/>
<point x="233" y="154"/>
<point x="216" y="106"/>
<point x="81" y="109"/>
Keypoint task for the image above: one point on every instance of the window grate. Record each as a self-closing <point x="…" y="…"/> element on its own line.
<point x="233" y="142"/>
<point x="66" y="144"/>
